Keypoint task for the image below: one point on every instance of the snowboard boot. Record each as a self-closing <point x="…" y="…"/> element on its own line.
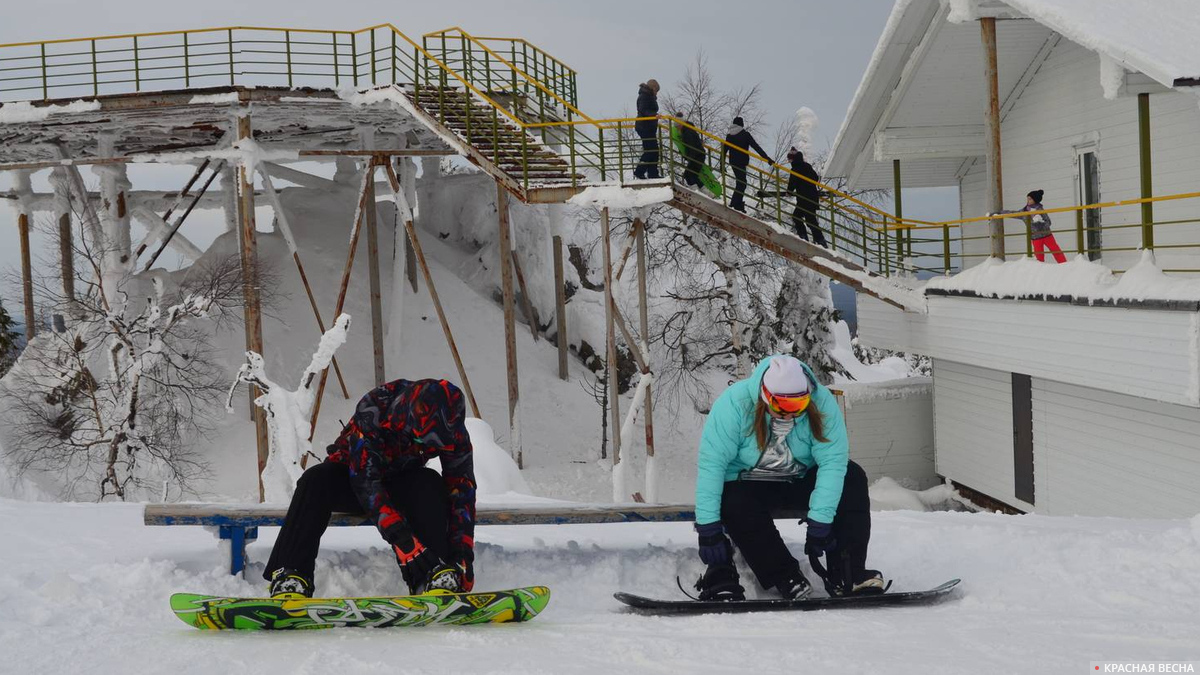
<point x="442" y="580"/>
<point x="720" y="582"/>
<point x="288" y="584"/>
<point x="862" y="582"/>
<point x="794" y="586"/>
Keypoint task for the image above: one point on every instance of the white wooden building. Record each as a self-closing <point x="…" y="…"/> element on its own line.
<point x="1050" y="406"/>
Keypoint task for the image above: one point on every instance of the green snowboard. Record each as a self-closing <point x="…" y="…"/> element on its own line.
<point x="220" y="613"/>
<point x="707" y="178"/>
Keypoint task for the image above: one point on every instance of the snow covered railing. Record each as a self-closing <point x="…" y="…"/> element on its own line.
<point x="239" y="523"/>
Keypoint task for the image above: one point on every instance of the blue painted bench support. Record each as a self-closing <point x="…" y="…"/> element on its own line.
<point x="239" y="523"/>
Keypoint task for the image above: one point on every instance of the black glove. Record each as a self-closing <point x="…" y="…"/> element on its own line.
<point x="715" y="548"/>
<point x="416" y="561"/>
<point x="820" y="539"/>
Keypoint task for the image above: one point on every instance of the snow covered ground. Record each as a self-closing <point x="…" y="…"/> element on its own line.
<point x="84" y="587"/>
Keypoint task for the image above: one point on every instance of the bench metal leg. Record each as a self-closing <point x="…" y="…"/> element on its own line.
<point x="238" y="537"/>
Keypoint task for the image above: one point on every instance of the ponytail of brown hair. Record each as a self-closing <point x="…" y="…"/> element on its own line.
<point x="762" y="422"/>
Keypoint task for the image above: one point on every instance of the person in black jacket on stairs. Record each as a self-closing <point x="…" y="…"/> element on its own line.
<point x="739" y="159"/>
<point x="808" y="197"/>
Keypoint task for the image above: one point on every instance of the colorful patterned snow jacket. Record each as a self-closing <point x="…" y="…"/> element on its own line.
<point x="728" y="447"/>
<point x="400" y="426"/>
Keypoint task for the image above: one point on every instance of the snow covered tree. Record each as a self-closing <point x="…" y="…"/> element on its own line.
<point x="115" y="403"/>
<point x="804" y="319"/>
<point x="8" y="341"/>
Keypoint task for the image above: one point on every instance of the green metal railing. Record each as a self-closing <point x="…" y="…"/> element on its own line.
<point x="517" y="106"/>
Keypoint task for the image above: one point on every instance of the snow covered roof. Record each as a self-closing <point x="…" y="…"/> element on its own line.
<point x="929" y="58"/>
<point x="1156" y="38"/>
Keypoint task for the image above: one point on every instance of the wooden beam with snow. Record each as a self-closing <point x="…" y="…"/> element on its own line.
<point x="248" y="247"/>
<point x="527" y="307"/>
<point x="644" y="323"/>
<point x="26" y="264"/>
<point x="612" y="374"/>
<point x="301" y="178"/>
<point x="995" y="190"/>
<point x="560" y="307"/>
<point x="66" y="239"/>
<point x="355" y="231"/>
<point x="213" y="153"/>
<point x="406" y="216"/>
<point x="929" y="143"/>
<point x="371" y="215"/>
<point x="174" y="229"/>
<point x="510" y="330"/>
<point x="158" y="230"/>
<point x="286" y="229"/>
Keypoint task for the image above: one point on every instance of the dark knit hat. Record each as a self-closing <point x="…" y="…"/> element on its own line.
<point x="1037" y="195"/>
<point x="795" y="155"/>
<point x="738" y="121"/>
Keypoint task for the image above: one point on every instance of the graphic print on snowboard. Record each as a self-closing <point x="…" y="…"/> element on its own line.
<point x="645" y="605"/>
<point x="224" y="613"/>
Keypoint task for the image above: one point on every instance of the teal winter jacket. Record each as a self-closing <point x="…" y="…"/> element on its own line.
<point x="728" y="447"/>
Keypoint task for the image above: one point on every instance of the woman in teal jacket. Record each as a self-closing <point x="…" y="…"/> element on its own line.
<point x="777" y="441"/>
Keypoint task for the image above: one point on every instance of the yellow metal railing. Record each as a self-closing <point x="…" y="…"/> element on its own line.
<point x="517" y="102"/>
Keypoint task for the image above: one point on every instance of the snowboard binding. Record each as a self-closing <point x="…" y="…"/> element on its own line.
<point x="719" y="582"/>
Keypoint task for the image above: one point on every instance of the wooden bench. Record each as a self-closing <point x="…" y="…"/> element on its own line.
<point x="239" y="523"/>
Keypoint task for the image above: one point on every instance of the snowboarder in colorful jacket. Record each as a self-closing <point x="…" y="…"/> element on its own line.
<point x="1041" y="235"/>
<point x="377" y="466"/>
<point x="777" y="441"/>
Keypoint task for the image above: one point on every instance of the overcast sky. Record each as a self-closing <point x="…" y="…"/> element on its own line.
<point x="802" y="53"/>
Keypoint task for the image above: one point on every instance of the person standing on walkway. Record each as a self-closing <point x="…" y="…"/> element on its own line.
<point x="647" y="129"/>
<point x="739" y="159"/>
<point x="1041" y="235"/>
<point x="808" y="197"/>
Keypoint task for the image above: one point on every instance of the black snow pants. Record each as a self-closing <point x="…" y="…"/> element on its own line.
<point x="648" y="164"/>
<point x="806" y="213"/>
<point x="419" y="494"/>
<point x="746" y="508"/>
<point x="738" y="200"/>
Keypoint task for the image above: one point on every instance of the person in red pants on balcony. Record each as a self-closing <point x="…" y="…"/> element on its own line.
<point x="1041" y="236"/>
<point x="377" y="466"/>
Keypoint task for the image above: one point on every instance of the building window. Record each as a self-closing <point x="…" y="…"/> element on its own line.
<point x="1089" y="193"/>
<point x="1022" y="409"/>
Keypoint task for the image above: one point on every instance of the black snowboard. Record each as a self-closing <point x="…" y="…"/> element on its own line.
<point x="651" y="606"/>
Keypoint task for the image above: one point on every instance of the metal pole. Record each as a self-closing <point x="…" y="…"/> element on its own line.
<point x="614" y="399"/>
<point x="253" y="311"/>
<point x="510" y="329"/>
<point x="560" y="307"/>
<point x="1146" y="170"/>
<point x="26" y="274"/>
<point x="899" y="209"/>
<point x="995" y="182"/>
<point x="644" y="329"/>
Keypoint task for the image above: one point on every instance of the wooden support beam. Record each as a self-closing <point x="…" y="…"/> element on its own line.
<point x="410" y="228"/>
<point x="355" y="230"/>
<point x="995" y="183"/>
<point x="630" y="240"/>
<point x="248" y="240"/>
<point x="286" y="229"/>
<point x="630" y="340"/>
<point x="510" y="329"/>
<point x="643" y="320"/>
<point x="191" y="155"/>
<point x="66" y="240"/>
<point x="614" y="397"/>
<point x="526" y="303"/>
<point x="560" y="307"/>
<point x="370" y="216"/>
<point x="174" y="229"/>
<point x="301" y="178"/>
<point x="1146" y="169"/>
<point x="26" y="275"/>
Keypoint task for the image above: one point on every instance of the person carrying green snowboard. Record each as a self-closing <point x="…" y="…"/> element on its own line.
<point x="691" y="147"/>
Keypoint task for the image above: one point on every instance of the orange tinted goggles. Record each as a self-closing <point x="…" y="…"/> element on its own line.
<point x="786" y="404"/>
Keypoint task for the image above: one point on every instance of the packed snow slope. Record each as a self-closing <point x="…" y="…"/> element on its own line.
<point x="84" y="587"/>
